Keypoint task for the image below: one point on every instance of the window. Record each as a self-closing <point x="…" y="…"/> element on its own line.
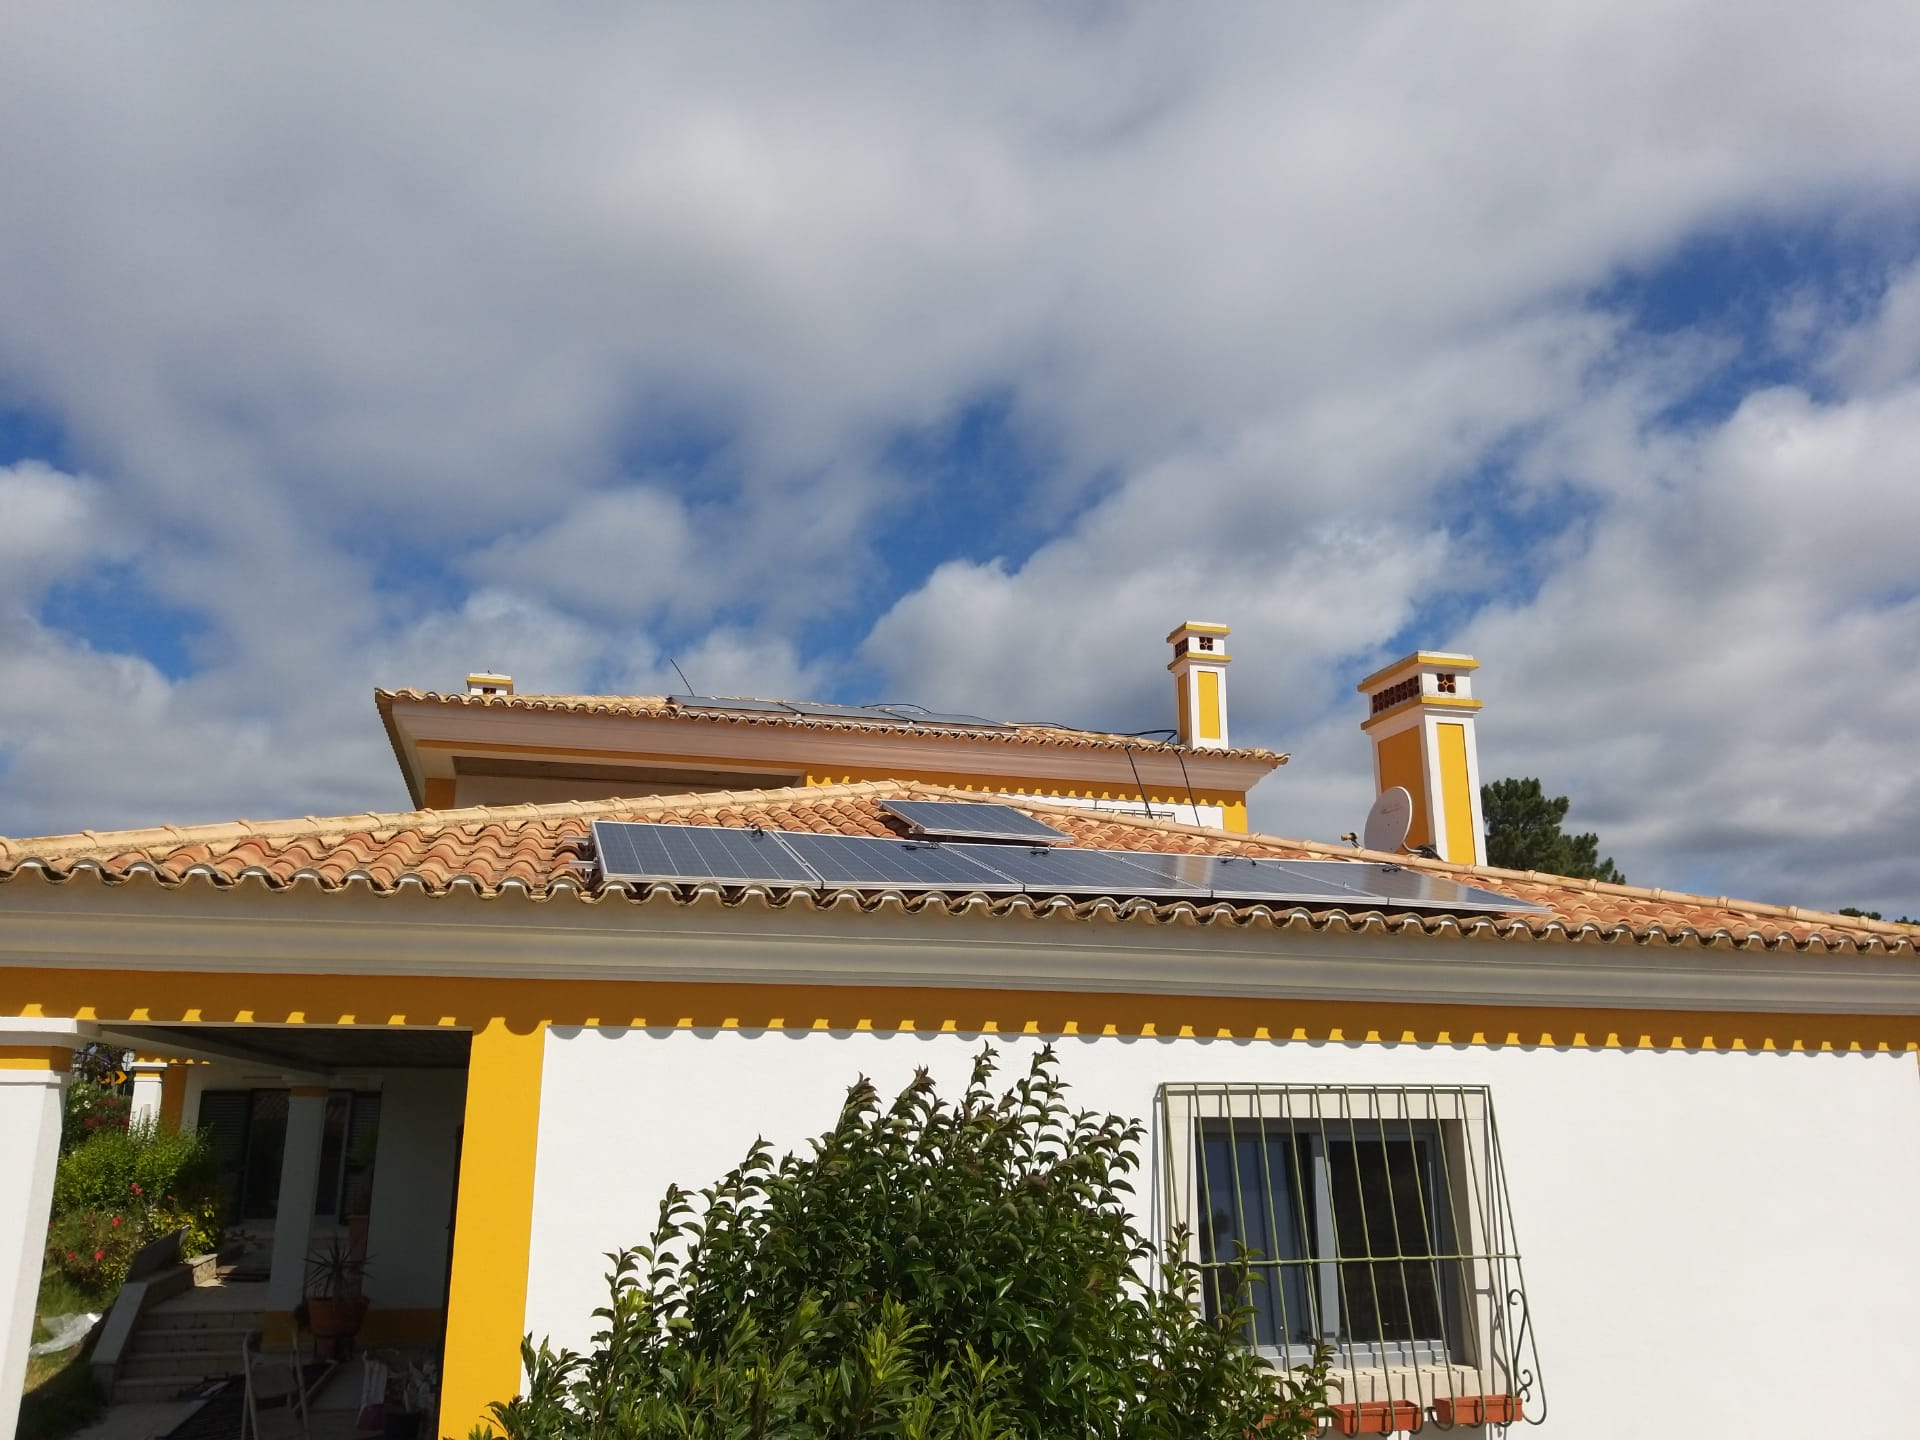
<point x="1371" y="1219"/>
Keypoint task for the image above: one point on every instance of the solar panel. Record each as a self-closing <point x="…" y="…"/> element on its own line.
<point x="820" y="709"/>
<point x="690" y="854"/>
<point x="974" y="820"/>
<point x="938" y="717"/>
<point x="1058" y="871"/>
<point x="693" y="853"/>
<point x="862" y="861"/>
<point x="1394" y="885"/>
<point x="728" y="702"/>
<point x="1349" y="882"/>
<point x="1242" y="877"/>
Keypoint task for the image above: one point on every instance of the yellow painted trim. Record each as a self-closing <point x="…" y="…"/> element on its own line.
<point x="1197" y="658"/>
<point x="493" y="1228"/>
<point x="36" y="1057"/>
<point x="1436" y="702"/>
<point x="1183" y="697"/>
<point x="1456" y="794"/>
<point x="1209" y="686"/>
<point x="1234" y="816"/>
<point x="521" y="1006"/>
<point x="1197" y="627"/>
<point x="1400" y="759"/>
<point x="440" y="792"/>
<point x="173" y="1096"/>
<point x="1437" y="658"/>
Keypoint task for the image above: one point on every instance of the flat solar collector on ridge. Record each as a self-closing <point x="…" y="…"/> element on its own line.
<point x="974" y="820"/>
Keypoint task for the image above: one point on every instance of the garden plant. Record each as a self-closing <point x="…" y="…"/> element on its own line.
<point x="929" y="1271"/>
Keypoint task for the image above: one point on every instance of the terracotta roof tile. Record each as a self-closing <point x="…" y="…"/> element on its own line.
<point x="537" y="846"/>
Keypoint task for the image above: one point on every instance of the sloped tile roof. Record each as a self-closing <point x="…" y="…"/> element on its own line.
<point x="660" y="707"/>
<point x="537" y="851"/>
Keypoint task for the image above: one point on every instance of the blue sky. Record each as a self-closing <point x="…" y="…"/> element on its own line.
<point x="953" y="358"/>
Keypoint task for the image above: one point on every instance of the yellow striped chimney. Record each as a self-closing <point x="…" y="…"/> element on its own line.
<point x="1199" y="669"/>
<point x="1420" y="717"/>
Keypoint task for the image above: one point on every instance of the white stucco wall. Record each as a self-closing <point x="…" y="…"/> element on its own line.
<point x="1714" y="1243"/>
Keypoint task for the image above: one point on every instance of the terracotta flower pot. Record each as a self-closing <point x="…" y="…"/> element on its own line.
<point x="1376" y="1417"/>
<point x="1477" y="1409"/>
<point x="334" y="1322"/>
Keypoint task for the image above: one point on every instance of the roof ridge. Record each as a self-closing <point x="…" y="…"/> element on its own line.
<point x="48" y="847"/>
<point x="655" y="707"/>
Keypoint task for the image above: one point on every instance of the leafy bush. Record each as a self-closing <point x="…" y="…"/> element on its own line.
<point x="91" y="1107"/>
<point x="118" y="1189"/>
<point x="930" y="1270"/>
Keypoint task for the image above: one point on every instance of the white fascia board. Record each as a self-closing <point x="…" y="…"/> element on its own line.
<point x="781" y="750"/>
<point x="140" y="926"/>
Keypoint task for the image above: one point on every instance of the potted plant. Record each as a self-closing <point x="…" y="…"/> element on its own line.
<point x="336" y="1302"/>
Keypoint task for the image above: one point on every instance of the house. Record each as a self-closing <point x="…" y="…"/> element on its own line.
<point x="1608" y="1158"/>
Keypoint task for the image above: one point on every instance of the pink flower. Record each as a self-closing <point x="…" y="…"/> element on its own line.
<point x="116" y="1219"/>
<point x="136" y="1188"/>
<point x="99" y="1254"/>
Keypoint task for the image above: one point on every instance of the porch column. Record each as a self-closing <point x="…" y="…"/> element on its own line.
<point x="299" y="1185"/>
<point x="493" y="1223"/>
<point x="147" y="1076"/>
<point x="36" y="1058"/>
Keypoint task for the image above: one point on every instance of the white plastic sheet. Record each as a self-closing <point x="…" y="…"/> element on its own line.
<point x="68" y="1331"/>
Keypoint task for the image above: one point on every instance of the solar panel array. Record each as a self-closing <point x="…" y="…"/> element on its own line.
<point x="692" y="854"/>
<point x="973" y="820"/>
<point x="809" y="709"/>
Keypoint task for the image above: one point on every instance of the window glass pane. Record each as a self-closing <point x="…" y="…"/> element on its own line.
<point x="266" y="1142"/>
<point x="1382" y="1198"/>
<point x="1253" y="1201"/>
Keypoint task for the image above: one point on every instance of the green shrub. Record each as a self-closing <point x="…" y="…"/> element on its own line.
<point x="90" y="1108"/>
<point x="118" y="1189"/>
<point x="930" y="1271"/>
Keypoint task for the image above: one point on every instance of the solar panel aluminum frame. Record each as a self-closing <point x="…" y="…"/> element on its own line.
<point x="603" y="829"/>
<point x="1054" y="870"/>
<point x="1020" y="827"/>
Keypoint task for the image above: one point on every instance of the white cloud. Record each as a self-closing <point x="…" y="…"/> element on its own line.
<point x="419" y="339"/>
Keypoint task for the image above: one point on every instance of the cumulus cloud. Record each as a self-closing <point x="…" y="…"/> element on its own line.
<point x="567" y="342"/>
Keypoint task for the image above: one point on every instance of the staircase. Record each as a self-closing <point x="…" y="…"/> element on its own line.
<point x="176" y="1350"/>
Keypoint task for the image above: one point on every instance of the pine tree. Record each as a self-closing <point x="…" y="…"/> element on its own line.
<point x="1523" y="833"/>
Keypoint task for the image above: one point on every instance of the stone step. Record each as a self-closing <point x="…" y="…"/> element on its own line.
<point x="187" y="1367"/>
<point x="224" y="1339"/>
<point x="154" y="1390"/>
<point x="165" y="1319"/>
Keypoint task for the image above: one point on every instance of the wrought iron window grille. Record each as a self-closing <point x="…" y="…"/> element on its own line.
<point x="1372" y="1219"/>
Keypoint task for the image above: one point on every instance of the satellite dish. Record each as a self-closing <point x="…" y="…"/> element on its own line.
<point x="1389" y="821"/>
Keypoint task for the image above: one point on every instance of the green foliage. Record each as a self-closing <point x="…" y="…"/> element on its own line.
<point x="930" y="1271"/>
<point x="90" y="1107"/>
<point x="119" y="1188"/>
<point x="1875" y="915"/>
<point x="1523" y="833"/>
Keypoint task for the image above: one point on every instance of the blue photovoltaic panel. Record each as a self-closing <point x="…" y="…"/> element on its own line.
<point x="867" y="861"/>
<point x="1407" y="889"/>
<point x="684" y="854"/>
<point x="973" y="820"/>
<point x="729" y="702"/>
<point x="1238" y="877"/>
<point x="693" y="853"/>
<point x="1059" y="871"/>
<point x="841" y="712"/>
<point x="937" y="717"/>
